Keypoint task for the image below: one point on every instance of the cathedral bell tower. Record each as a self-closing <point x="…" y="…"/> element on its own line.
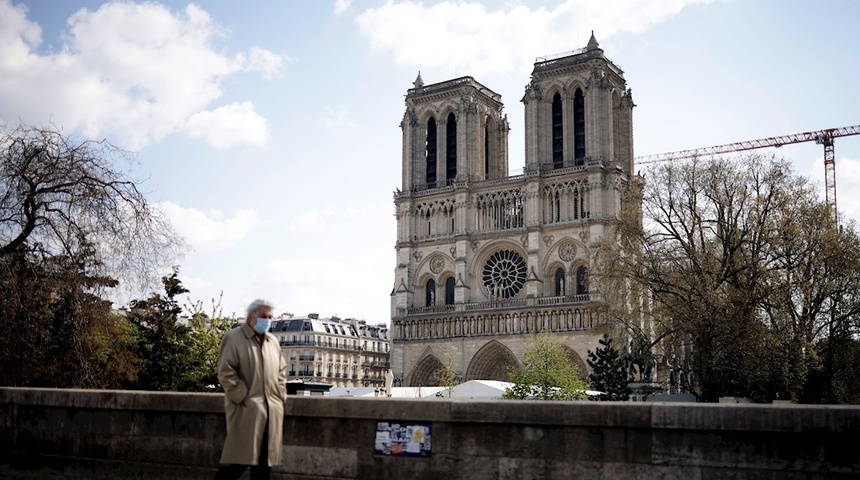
<point x="453" y="131"/>
<point x="578" y="111"/>
<point x="485" y="260"/>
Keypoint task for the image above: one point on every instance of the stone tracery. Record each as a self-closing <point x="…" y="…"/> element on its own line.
<point x="504" y="274"/>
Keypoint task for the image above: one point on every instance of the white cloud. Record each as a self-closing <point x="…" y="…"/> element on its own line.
<point x="336" y="118"/>
<point x="307" y="285"/>
<point x="135" y="72"/>
<point x="469" y="36"/>
<point x="209" y="232"/>
<point x="847" y="182"/>
<point x="312" y="221"/>
<point x="228" y="126"/>
<point x="263" y="61"/>
<point x="341" y="6"/>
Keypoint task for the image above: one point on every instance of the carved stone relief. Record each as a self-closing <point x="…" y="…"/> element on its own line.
<point x="437" y="264"/>
<point x="567" y="251"/>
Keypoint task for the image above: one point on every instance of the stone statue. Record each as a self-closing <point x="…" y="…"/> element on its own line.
<point x="389" y="382"/>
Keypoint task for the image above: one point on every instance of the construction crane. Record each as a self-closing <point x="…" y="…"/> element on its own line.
<point x="822" y="137"/>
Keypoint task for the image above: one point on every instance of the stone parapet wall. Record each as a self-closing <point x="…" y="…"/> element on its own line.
<point x="122" y="434"/>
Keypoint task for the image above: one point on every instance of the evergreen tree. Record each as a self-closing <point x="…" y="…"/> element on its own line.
<point x="608" y="374"/>
<point x="162" y="342"/>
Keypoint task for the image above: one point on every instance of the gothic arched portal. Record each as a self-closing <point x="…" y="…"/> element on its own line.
<point x="492" y="362"/>
<point x="424" y="374"/>
<point x="577" y="360"/>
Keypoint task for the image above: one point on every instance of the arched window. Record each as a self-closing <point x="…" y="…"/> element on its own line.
<point x="578" y="127"/>
<point x="451" y="148"/>
<point x="557" y="133"/>
<point x="582" y="280"/>
<point x="431" y="153"/>
<point x="430" y="293"/>
<point x="487" y="148"/>
<point x="449" y="291"/>
<point x="559" y="282"/>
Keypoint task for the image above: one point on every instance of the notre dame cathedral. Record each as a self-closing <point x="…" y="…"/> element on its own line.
<point x="484" y="259"/>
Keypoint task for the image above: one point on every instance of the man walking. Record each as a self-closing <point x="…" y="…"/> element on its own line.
<point x="252" y="372"/>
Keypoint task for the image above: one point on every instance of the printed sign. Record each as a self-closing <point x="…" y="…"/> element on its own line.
<point x="412" y="440"/>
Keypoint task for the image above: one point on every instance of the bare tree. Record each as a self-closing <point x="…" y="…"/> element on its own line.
<point x="61" y="197"/>
<point x="72" y="223"/>
<point x="728" y="265"/>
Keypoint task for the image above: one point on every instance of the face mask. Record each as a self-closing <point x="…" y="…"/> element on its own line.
<point x="262" y="325"/>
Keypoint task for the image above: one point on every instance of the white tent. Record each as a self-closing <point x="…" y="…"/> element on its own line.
<point x="482" y="389"/>
<point x="474" y="389"/>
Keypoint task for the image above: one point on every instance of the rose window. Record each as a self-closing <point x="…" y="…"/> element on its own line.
<point x="504" y="274"/>
<point x="437" y="264"/>
<point x="567" y="251"/>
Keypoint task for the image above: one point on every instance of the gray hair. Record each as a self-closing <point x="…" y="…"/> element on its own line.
<point x="257" y="305"/>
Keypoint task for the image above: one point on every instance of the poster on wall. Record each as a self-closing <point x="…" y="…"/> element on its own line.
<point x="405" y="440"/>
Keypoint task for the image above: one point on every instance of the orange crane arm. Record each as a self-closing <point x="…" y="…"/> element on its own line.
<point x="824" y="137"/>
<point x="815" y="136"/>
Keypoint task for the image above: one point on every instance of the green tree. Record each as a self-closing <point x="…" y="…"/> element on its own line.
<point x="447" y="375"/>
<point x="608" y="371"/>
<point x="548" y="373"/>
<point x="48" y="310"/>
<point x="738" y="270"/>
<point x="163" y="344"/>
<point x="204" y="341"/>
<point x="72" y="222"/>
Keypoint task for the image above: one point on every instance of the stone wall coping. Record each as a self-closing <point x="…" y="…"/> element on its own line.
<point x="656" y="416"/>
<point x="756" y="417"/>
<point x="114" y="399"/>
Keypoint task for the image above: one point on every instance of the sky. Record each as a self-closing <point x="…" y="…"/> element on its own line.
<point x="268" y="132"/>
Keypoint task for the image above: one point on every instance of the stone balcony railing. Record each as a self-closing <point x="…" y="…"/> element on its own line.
<point x="501" y="317"/>
<point x="500" y="304"/>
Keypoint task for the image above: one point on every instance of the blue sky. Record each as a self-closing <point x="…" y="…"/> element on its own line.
<point x="269" y="134"/>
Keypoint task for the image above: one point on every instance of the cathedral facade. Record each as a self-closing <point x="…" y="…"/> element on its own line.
<point x="486" y="260"/>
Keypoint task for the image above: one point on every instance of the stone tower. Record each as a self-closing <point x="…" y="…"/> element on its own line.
<point x="485" y="260"/>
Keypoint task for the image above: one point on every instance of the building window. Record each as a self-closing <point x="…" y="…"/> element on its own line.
<point x="451" y="148"/>
<point x="504" y="274"/>
<point x="578" y="127"/>
<point x="582" y="280"/>
<point x="449" y="291"/>
<point x="559" y="282"/>
<point x="557" y="133"/>
<point x="430" y="293"/>
<point x="431" y="153"/>
<point x="487" y="149"/>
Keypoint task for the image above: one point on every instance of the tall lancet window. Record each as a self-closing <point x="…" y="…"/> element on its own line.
<point x="557" y="133"/>
<point x="582" y="280"/>
<point x="449" y="291"/>
<point x="430" y="293"/>
<point x="578" y="127"/>
<point x="487" y="149"/>
<point x="431" y="153"/>
<point x="559" y="282"/>
<point x="451" y="148"/>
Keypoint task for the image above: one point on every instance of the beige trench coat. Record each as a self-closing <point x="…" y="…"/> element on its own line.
<point x="253" y="378"/>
